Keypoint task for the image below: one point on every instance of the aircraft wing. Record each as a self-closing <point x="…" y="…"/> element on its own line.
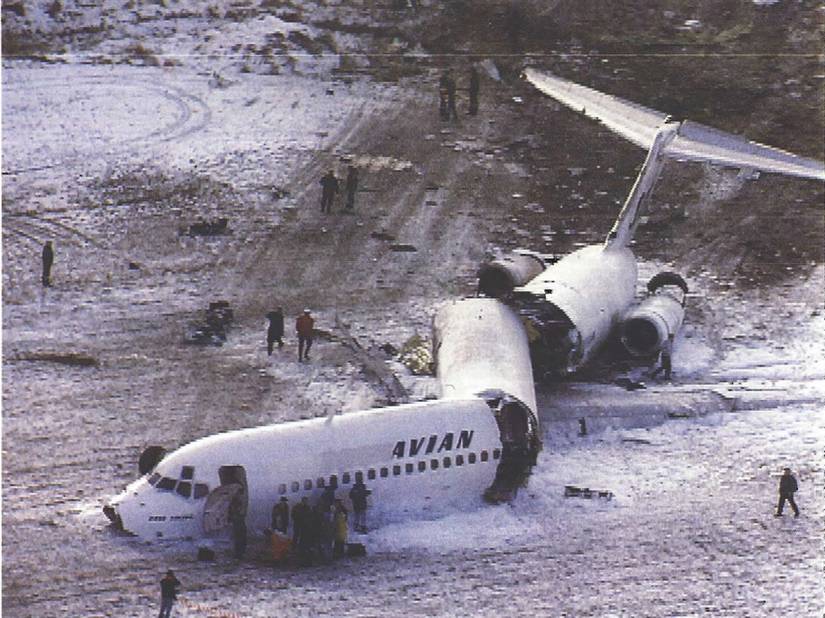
<point x="693" y="141"/>
<point x="634" y="122"/>
<point x="696" y="142"/>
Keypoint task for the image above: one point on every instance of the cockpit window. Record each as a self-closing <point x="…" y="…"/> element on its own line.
<point x="201" y="490"/>
<point x="166" y="484"/>
<point x="184" y="489"/>
<point x="187" y="473"/>
<point x="154" y="478"/>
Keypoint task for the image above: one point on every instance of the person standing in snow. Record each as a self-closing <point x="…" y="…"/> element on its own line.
<point x="305" y="327"/>
<point x="168" y="593"/>
<point x="351" y="186"/>
<point x="787" y="488"/>
<point x="358" y="496"/>
<point x="275" y="332"/>
<point x="665" y="363"/>
<point x="329" y="188"/>
<point x="475" y="86"/>
<point x="48" y="260"/>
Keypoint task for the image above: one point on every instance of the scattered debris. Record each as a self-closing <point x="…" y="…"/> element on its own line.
<point x="213" y="330"/>
<point x="402" y="247"/>
<point x="637" y="440"/>
<point x="205" y="554"/>
<point x="68" y="358"/>
<point x="571" y="491"/>
<point x="388" y="349"/>
<point x="416" y="356"/>
<point x="216" y="227"/>
<point x="382" y="236"/>
<point x="629" y="384"/>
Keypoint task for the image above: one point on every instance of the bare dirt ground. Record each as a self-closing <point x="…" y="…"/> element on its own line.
<point x="124" y="127"/>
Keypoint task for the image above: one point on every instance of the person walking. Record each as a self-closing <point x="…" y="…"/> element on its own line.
<point x="275" y="331"/>
<point x="351" y="186"/>
<point x="280" y="516"/>
<point x="451" y="110"/>
<point x="787" y="488"/>
<point x="341" y="526"/>
<point x="48" y="260"/>
<point x="329" y="188"/>
<point x="305" y="327"/>
<point x="475" y="86"/>
<point x="168" y="593"/>
<point x="358" y="496"/>
<point x="443" y="95"/>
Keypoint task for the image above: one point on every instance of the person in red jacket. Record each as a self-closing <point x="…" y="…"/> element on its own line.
<point x="304" y="326"/>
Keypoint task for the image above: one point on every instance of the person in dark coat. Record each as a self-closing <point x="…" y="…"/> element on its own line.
<point x="451" y="110"/>
<point x="237" y="519"/>
<point x="327" y="498"/>
<point x="275" y="331"/>
<point x="168" y="593"/>
<point x="443" y="96"/>
<point x="351" y="186"/>
<point x="358" y="496"/>
<point x="48" y="260"/>
<point x="280" y="516"/>
<point x="305" y="327"/>
<point x="787" y="488"/>
<point x="475" y="86"/>
<point x="329" y="188"/>
<point x="300" y="516"/>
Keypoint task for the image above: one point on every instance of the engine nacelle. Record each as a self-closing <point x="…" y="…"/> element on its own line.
<point x="501" y="276"/>
<point x="646" y="327"/>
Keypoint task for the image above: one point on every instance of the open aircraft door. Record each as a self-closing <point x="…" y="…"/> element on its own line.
<point x="216" y="510"/>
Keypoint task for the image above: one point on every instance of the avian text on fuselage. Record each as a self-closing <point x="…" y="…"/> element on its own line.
<point x="425" y="446"/>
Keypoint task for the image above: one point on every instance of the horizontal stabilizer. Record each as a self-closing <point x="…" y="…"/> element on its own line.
<point x="693" y="141"/>
<point x="634" y="122"/>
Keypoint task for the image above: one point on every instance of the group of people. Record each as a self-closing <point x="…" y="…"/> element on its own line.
<point x="330" y="185"/>
<point x="304" y="328"/>
<point x="319" y="531"/>
<point x="447" y="94"/>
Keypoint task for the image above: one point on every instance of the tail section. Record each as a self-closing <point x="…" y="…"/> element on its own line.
<point x="679" y="140"/>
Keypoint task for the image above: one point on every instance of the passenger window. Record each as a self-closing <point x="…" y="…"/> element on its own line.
<point x="384" y="473"/>
<point x="359" y="477"/>
<point x="320" y="483"/>
<point x="496" y="453"/>
<point x="371" y="474"/>
<point x="201" y="490"/>
<point x="471" y="458"/>
<point x="410" y="468"/>
<point x="166" y="484"/>
<point x="459" y="460"/>
<point x="396" y="470"/>
<point x="154" y="478"/>
<point x="307" y="484"/>
<point x="484" y="456"/>
<point x="434" y="464"/>
<point x="345" y="479"/>
<point x="282" y="488"/>
<point x="333" y="481"/>
<point x="422" y="466"/>
<point x="295" y="486"/>
<point x="187" y="473"/>
<point x="447" y="462"/>
<point x="184" y="489"/>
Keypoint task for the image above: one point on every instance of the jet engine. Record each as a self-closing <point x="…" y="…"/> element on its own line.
<point x="499" y="277"/>
<point x="648" y="325"/>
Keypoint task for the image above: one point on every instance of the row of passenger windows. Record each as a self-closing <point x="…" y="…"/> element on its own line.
<point x="384" y="472"/>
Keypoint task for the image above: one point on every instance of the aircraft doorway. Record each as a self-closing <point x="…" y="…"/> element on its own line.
<point x="232" y="490"/>
<point x="520" y="448"/>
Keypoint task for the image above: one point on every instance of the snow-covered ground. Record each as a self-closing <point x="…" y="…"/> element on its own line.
<point x="115" y="162"/>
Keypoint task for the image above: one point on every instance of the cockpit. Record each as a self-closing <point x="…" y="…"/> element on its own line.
<point x="183" y="485"/>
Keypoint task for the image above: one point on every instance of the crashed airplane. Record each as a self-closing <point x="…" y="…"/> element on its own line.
<point x="482" y="437"/>
<point x="572" y="306"/>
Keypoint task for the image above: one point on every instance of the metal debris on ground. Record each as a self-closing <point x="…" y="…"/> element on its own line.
<point x="571" y="491"/>
<point x="416" y="356"/>
<point x="212" y="331"/>
<point x="215" y="227"/>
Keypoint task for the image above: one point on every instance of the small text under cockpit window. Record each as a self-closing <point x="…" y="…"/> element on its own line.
<point x="201" y="490"/>
<point x="187" y="473"/>
<point x="166" y="484"/>
<point x="184" y="489"/>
